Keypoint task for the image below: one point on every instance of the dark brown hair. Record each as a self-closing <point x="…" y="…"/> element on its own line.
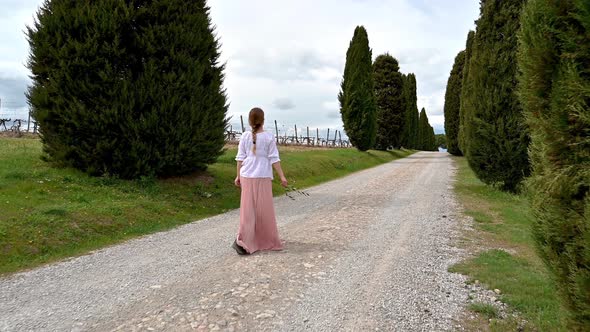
<point x="255" y="119"/>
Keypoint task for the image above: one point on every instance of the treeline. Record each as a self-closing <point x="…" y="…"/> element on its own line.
<point x="157" y="107"/>
<point x="378" y="103"/>
<point x="517" y="106"/>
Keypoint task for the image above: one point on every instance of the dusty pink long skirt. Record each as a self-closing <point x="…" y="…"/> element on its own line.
<point x="258" y="225"/>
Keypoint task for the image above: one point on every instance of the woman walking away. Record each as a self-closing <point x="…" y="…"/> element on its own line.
<point x="257" y="152"/>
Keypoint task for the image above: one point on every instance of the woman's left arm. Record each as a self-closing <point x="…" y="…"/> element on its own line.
<point x="277" y="167"/>
<point x="240" y="158"/>
<point x="237" y="180"/>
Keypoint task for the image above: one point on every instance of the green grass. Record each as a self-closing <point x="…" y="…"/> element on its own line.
<point x="50" y="213"/>
<point x="503" y="220"/>
<point x="487" y="310"/>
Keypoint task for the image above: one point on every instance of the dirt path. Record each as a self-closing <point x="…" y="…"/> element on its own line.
<point x="366" y="252"/>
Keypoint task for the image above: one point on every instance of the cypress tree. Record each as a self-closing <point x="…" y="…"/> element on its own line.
<point x="407" y="117"/>
<point x="554" y="86"/>
<point x="391" y="105"/>
<point x="127" y="88"/>
<point x="404" y="138"/>
<point x="496" y="132"/>
<point x="423" y="131"/>
<point x="426" y="137"/>
<point x="410" y="135"/>
<point x="463" y="101"/>
<point x="453" y="103"/>
<point x="415" y="115"/>
<point x="432" y="139"/>
<point x="357" y="95"/>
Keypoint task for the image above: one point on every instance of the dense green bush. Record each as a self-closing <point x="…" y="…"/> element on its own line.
<point x="127" y="88"/>
<point x="554" y="60"/>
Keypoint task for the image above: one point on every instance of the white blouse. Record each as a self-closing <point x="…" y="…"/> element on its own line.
<point x="257" y="165"/>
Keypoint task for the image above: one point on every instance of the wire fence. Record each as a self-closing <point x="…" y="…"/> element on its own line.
<point x="285" y="134"/>
<point x="15" y="122"/>
<point x="293" y="135"/>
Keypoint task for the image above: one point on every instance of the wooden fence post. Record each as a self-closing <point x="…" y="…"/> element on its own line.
<point x="242" y="121"/>
<point x="277" y="131"/>
<point x="296" y="139"/>
<point x="328" y="137"/>
<point x="317" y="135"/>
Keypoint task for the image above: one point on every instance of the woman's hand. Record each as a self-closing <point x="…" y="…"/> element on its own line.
<point x="284" y="182"/>
<point x="237" y="181"/>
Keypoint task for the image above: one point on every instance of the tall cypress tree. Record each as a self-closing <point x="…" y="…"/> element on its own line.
<point x="464" y="91"/>
<point x="415" y="113"/>
<point x="404" y="138"/>
<point x="423" y="131"/>
<point x="426" y="137"/>
<point x="453" y="103"/>
<point x="496" y="132"/>
<point x="128" y="88"/>
<point x="410" y="135"/>
<point x="357" y="95"/>
<point x="554" y="59"/>
<point x="391" y="104"/>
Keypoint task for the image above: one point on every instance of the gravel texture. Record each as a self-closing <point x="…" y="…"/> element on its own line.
<point x="366" y="252"/>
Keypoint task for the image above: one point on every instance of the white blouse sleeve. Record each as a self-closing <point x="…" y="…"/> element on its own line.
<point x="273" y="152"/>
<point x="242" y="148"/>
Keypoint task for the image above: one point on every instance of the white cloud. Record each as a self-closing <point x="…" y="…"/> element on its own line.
<point x="14" y="17"/>
<point x="331" y="105"/>
<point x="284" y="104"/>
<point x="438" y="123"/>
<point x="284" y="64"/>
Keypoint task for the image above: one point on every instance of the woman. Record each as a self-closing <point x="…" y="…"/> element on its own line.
<point x="256" y="153"/>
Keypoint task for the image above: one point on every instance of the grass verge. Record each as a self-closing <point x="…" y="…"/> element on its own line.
<point x="50" y="213"/>
<point x="486" y="310"/>
<point x="508" y="260"/>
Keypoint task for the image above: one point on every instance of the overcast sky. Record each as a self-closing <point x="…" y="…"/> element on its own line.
<point x="288" y="56"/>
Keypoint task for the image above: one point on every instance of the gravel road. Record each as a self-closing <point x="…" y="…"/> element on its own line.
<point x="366" y="252"/>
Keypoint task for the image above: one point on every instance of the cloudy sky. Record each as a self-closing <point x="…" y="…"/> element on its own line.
<point x="288" y="56"/>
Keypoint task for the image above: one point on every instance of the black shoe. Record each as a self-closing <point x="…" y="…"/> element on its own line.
<point x="239" y="249"/>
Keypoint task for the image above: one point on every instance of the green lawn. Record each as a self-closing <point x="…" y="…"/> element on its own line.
<point x="50" y="213"/>
<point x="503" y="221"/>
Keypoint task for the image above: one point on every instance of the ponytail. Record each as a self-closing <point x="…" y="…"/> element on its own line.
<point x="256" y="119"/>
<point x="254" y="130"/>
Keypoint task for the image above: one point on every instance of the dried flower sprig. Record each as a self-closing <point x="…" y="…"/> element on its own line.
<point x="290" y="192"/>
